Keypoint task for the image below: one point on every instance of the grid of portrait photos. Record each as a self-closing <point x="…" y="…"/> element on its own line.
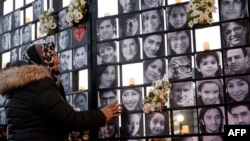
<point x="208" y="66"/>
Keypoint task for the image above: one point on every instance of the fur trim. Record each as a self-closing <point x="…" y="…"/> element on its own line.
<point x="20" y="76"/>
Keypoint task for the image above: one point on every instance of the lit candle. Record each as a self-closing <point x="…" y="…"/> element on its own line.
<point x="131" y="81"/>
<point x="177" y="1"/>
<point x="27" y="20"/>
<point x="185" y="129"/>
<point x="106" y="14"/>
<point x="81" y="88"/>
<point x="206" y="46"/>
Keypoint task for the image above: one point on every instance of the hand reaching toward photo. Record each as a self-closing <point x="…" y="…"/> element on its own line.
<point x="112" y="110"/>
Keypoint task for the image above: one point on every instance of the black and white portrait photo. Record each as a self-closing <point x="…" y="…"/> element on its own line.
<point x="80" y="57"/>
<point x="106" y="53"/>
<point x="110" y="129"/>
<point x="14" y="55"/>
<point x="179" y="42"/>
<point x="132" y="124"/>
<point x="212" y="138"/>
<point x="148" y="4"/>
<point x="62" y="19"/>
<point x="106" y="29"/>
<point x="131" y="99"/>
<point x="15" y="19"/>
<point x="15" y="38"/>
<point x="66" y="80"/>
<point x="106" y="97"/>
<point x="127" y="6"/>
<point x="177" y="16"/>
<point x="153" y="46"/>
<point x="5" y="41"/>
<point x="238" y="114"/>
<point x="129" y="25"/>
<point x="233" y="9"/>
<point x="235" y="33"/>
<point x="80" y="101"/>
<point x="157" y="123"/>
<point x="64" y="39"/>
<point x="65" y="61"/>
<point x="26" y="33"/>
<point x="107" y="76"/>
<point x="6" y="23"/>
<point x="152" y="21"/>
<point x="130" y="50"/>
<point x="37" y="9"/>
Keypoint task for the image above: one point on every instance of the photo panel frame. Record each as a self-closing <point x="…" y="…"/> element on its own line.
<point x="238" y="114"/>
<point x="132" y="76"/>
<point x="62" y="19"/>
<point x="83" y="82"/>
<point x="80" y="57"/>
<point x="107" y="28"/>
<point x="66" y="80"/>
<point x="155" y="25"/>
<point x="132" y="125"/>
<point x="79" y="36"/>
<point x="80" y="101"/>
<point x="107" y="76"/>
<point x="38" y="8"/>
<point x="106" y="97"/>
<point x="65" y="58"/>
<point x="145" y="4"/>
<point x="5" y="41"/>
<point x="128" y="7"/>
<point x="130" y="49"/>
<point x="64" y="40"/>
<point x="107" y="52"/>
<point x="6" y="23"/>
<point x="26" y="34"/>
<point x="114" y="131"/>
<point x="129" y="25"/>
<point x="104" y="10"/>
<point x="14" y="54"/>
<point x="15" y="19"/>
<point x="15" y="38"/>
<point x="132" y="99"/>
<point x="5" y="58"/>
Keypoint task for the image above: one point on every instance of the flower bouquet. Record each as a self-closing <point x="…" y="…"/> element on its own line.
<point x="48" y="23"/>
<point x="200" y="12"/>
<point x="76" y="12"/>
<point x="157" y="97"/>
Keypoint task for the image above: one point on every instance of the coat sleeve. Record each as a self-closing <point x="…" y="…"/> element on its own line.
<point x="50" y="104"/>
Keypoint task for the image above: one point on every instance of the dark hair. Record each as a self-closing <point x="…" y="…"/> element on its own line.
<point x="123" y="23"/>
<point x="120" y="8"/>
<point x="149" y="118"/>
<point x="137" y="55"/>
<point x="103" y="92"/>
<point x="161" y="51"/>
<point x="80" y="94"/>
<point x="106" y="44"/>
<point x="101" y="71"/>
<point x="113" y="122"/>
<point x="138" y="90"/>
<point x="201" y="56"/>
<point x="125" y="121"/>
<point x="159" y="13"/>
<point x="202" y="113"/>
<point x="187" y="32"/>
<point x="170" y="10"/>
<point x="230" y="107"/>
<point x="244" y="51"/>
<point x="112" y="20"/>
<point x="148" y="62"/>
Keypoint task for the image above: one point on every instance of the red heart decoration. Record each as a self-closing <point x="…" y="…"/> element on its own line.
<point x="79" y="33"/>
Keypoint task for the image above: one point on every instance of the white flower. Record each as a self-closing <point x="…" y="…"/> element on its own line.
<point x="200" y="12"/>
<point x="76" y="11"/>
<point x="157" y="97"/>
<point x="47" y="22"/>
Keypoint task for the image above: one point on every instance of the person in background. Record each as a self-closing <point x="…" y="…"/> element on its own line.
<point x="179" y="42"/>
<point x="130" y="49"/>
<point x="240" y="114"/>
<point x="36" y="101"/>
<point x="209" y="92"/>
<point x="177" y="16"/>
<point x="147" y="4"/>
<point x="81" y="101"/>
<point x="181" y="94"/>
<point x="37" y="9"/>
<point x="107" y="53"/>
<point x="238" y="89"/>
<point x="153" y="70"/>
<point x="106" y="29"/>
<point x="152" y="21"/>
<point x="153" y="46"/>
<point x="208" y="65"/>
<point x="126" y="6"/>
<point x="233" y="9"/>
<point x="211" y="120"/>
<point x="106" y="97"/>
<point x="235" y="33"/>
<point x="237" y="61"/>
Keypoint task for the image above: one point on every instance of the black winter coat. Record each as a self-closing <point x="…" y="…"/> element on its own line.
<point x="35" y="109"/>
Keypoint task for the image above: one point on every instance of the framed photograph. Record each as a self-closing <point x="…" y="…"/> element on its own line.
<point x="15" y="19"/>
<point x="182" y="94"/>
<point x="132" y="125"/>
<point x="128" y="6"/>
<point x="80" y="57"/>
<point x="210" y="92"/>
<point x="26" y="32"/>
<point x="179" y="42"/>
<point x="62" y="19"/>
<point x="129" y="25"/>
<point x="159" y="119"/>
<point x="5" y="41"/>
<point x="80" y="101"/>
<point x="106" y="53"/>
<point x="65" y="61"/>
<point x="110" y="129"/>
<point x="145" y="4"/>
<point x="66" y="80"/>
<point x="153" y="70"/>
<point x="235" y="33"/>
<point x="132" y="99"/>
<point x="177" y="16"/>
<point x="64" y="39"/>
<point x="240" y="9"/>
<point x="153" y="46"/>
<point x="208" y="64"/>
<point x="106" y="29"/>
<point x="14" y="54"/>
<point x="238" y="114"/>
<point x="6" y="23"/>
<point x="237" y="89"/>
<point x="15" y="38"/>
<point x="37" y="9"/>
<point x="130" y="50"/>
<point x="155" y="25"/>
<point x="106" y="97"/>
<point x="211" y="119"/>
<point x="107" y="76"/>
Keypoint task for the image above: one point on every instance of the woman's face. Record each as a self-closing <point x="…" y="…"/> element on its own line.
<point x="154" y="70"/>
<point x="80" y="56"/>
<point x="151" y="45"/>
<point x="108" y="130"/>
<point x="134" y="124"/>
<point x="151" y="3"/>
<point x="180" y="42"/>
<point x="212" y="121"/>
<point x="64" y="39"/>
<point x="130" y="100"/>
<point x="15" y="38"/>
<point x="107" y="77"/>
<point x="178" y="17"/>
<point x="157" y="124"/>
<point x="81" y="103"/>
<point x="37" y="8"/>
<point x="235" y="34"/>
<point x="14" y="55"/>
<point x="129" y="48"/>
<point x="26" y="34"/>
<point x="238" y="89"/>
<point x="152" y="21"/>
<point x="208" y="66"/>
<point x="210" y="93"/>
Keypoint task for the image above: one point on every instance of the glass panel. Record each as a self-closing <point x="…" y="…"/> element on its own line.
<point x="8" y="6"/>
<point x="83" y="80"/>
<point x="104" y="10"/>
<point x="203" y="43"/>
<point x="132" y="76"/>
<point x="5" y="59"/>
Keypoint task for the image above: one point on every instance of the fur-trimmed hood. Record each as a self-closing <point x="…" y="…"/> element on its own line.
<point x="14" y="77"/>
